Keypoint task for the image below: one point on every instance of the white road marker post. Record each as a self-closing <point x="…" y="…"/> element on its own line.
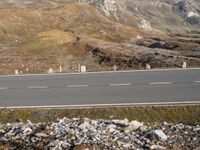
<point x="16" y="72"/>
<point x="115" y="68"/>
<point x="184" y="65"/>
<point x="50" y="70"/>
<point x="60" y="69"/>
<point x="83" y="69"/>
<point x="148" y="67"/>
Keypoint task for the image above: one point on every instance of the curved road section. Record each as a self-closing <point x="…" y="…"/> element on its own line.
<point x="99" y="89"/>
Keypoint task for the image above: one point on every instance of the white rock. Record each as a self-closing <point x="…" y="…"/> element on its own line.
<point x="157" y="147"/>
<point x="121" y="122"/>
<point x="197" y="129"/>
<point x="145" y="25"/>
<point x="27" y="131"/>
<point x="161" y="135"/>
<point x="41" y="135"/>
<point x="85" y="125"/>
<point x="134" y="125"/>
<point x="192" y="14"/>
<point x="112" y="128"/>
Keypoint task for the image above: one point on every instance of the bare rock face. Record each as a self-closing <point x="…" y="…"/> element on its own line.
<point x="189" y="11"/>
<point x="166" y="15"/>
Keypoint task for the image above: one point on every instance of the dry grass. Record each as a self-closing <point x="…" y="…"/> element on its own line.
<point x="57" y="36"/>
<point x="175" y="114"/>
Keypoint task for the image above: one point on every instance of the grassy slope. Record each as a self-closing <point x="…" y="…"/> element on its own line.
<point x="42" y="39"/>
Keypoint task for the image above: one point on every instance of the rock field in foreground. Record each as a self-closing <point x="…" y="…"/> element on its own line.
<point x="89" y="134"/>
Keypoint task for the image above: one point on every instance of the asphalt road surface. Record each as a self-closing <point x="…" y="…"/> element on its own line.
<point x="174" y="86"/>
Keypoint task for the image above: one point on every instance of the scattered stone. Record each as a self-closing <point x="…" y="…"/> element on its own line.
<point x="86" y="134"/>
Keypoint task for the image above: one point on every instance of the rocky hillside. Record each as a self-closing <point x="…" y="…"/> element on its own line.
<point x="37" y="35"/>
<point x="164" y="15"/>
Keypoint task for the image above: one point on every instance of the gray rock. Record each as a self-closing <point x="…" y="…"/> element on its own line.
<point x="106" y="134"/>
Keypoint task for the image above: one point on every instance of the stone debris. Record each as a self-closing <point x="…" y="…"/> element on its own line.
<point x="79" y="134"/>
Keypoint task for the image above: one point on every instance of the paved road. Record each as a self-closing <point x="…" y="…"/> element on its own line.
<point x="101" y="88"/>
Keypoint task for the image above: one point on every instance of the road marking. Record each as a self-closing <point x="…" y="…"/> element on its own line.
<point x="121" y="84"/>
<point x="160" y="83"/>
<point x="38" y="87"/>
<point x="197" y="81"/>
<point x="3" y="88"/>
<point x="74" y="86"/>
<point x="183" y="103"/>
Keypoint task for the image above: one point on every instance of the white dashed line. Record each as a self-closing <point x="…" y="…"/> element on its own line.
<point x="74" y="86"/>
<point x="121" y="84"/>
<point x="3" y="88"/>
<point x="160" y="83"/>
<point x="38" y="87"/>
<point x="197" y="81"/>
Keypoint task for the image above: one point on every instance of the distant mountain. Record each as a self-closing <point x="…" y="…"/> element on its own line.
<point x="165" y="15"/>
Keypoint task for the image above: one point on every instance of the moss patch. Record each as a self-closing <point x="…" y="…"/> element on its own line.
<point x="189" y="114"/>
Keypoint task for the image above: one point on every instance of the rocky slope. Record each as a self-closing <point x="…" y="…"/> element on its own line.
<point x="37" y="35"/>
<point x="79" y="134"/>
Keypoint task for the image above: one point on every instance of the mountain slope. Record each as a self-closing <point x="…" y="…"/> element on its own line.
<point x="38" y="35"/>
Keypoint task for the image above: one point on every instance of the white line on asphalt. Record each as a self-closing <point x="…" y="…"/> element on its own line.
<point x="121" y="84"/>
<point x="108" y="105"/>
<point x="3" y="88"/>
<point x="38" y="87"/>
<point x="197" y="81"/>
<point x="74" y="86"/>
<point x="160" y="83"/>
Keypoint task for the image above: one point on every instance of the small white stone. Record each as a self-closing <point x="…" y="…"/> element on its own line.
<point x="85" y="125"/>
<point x="161" y="135"/>
<point x="134" y="125"/>
<point x="157" y="147"/>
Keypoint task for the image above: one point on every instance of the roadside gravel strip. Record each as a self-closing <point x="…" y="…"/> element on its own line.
<point x="78" y="134"/>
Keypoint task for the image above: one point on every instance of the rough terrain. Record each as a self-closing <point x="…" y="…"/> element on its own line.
<point x="79" y="134"/>
<point x="38" y="35"/>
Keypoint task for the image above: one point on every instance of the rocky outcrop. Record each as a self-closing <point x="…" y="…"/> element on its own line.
<point x="189" y="11"/>
<point x="145" y="24"/>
